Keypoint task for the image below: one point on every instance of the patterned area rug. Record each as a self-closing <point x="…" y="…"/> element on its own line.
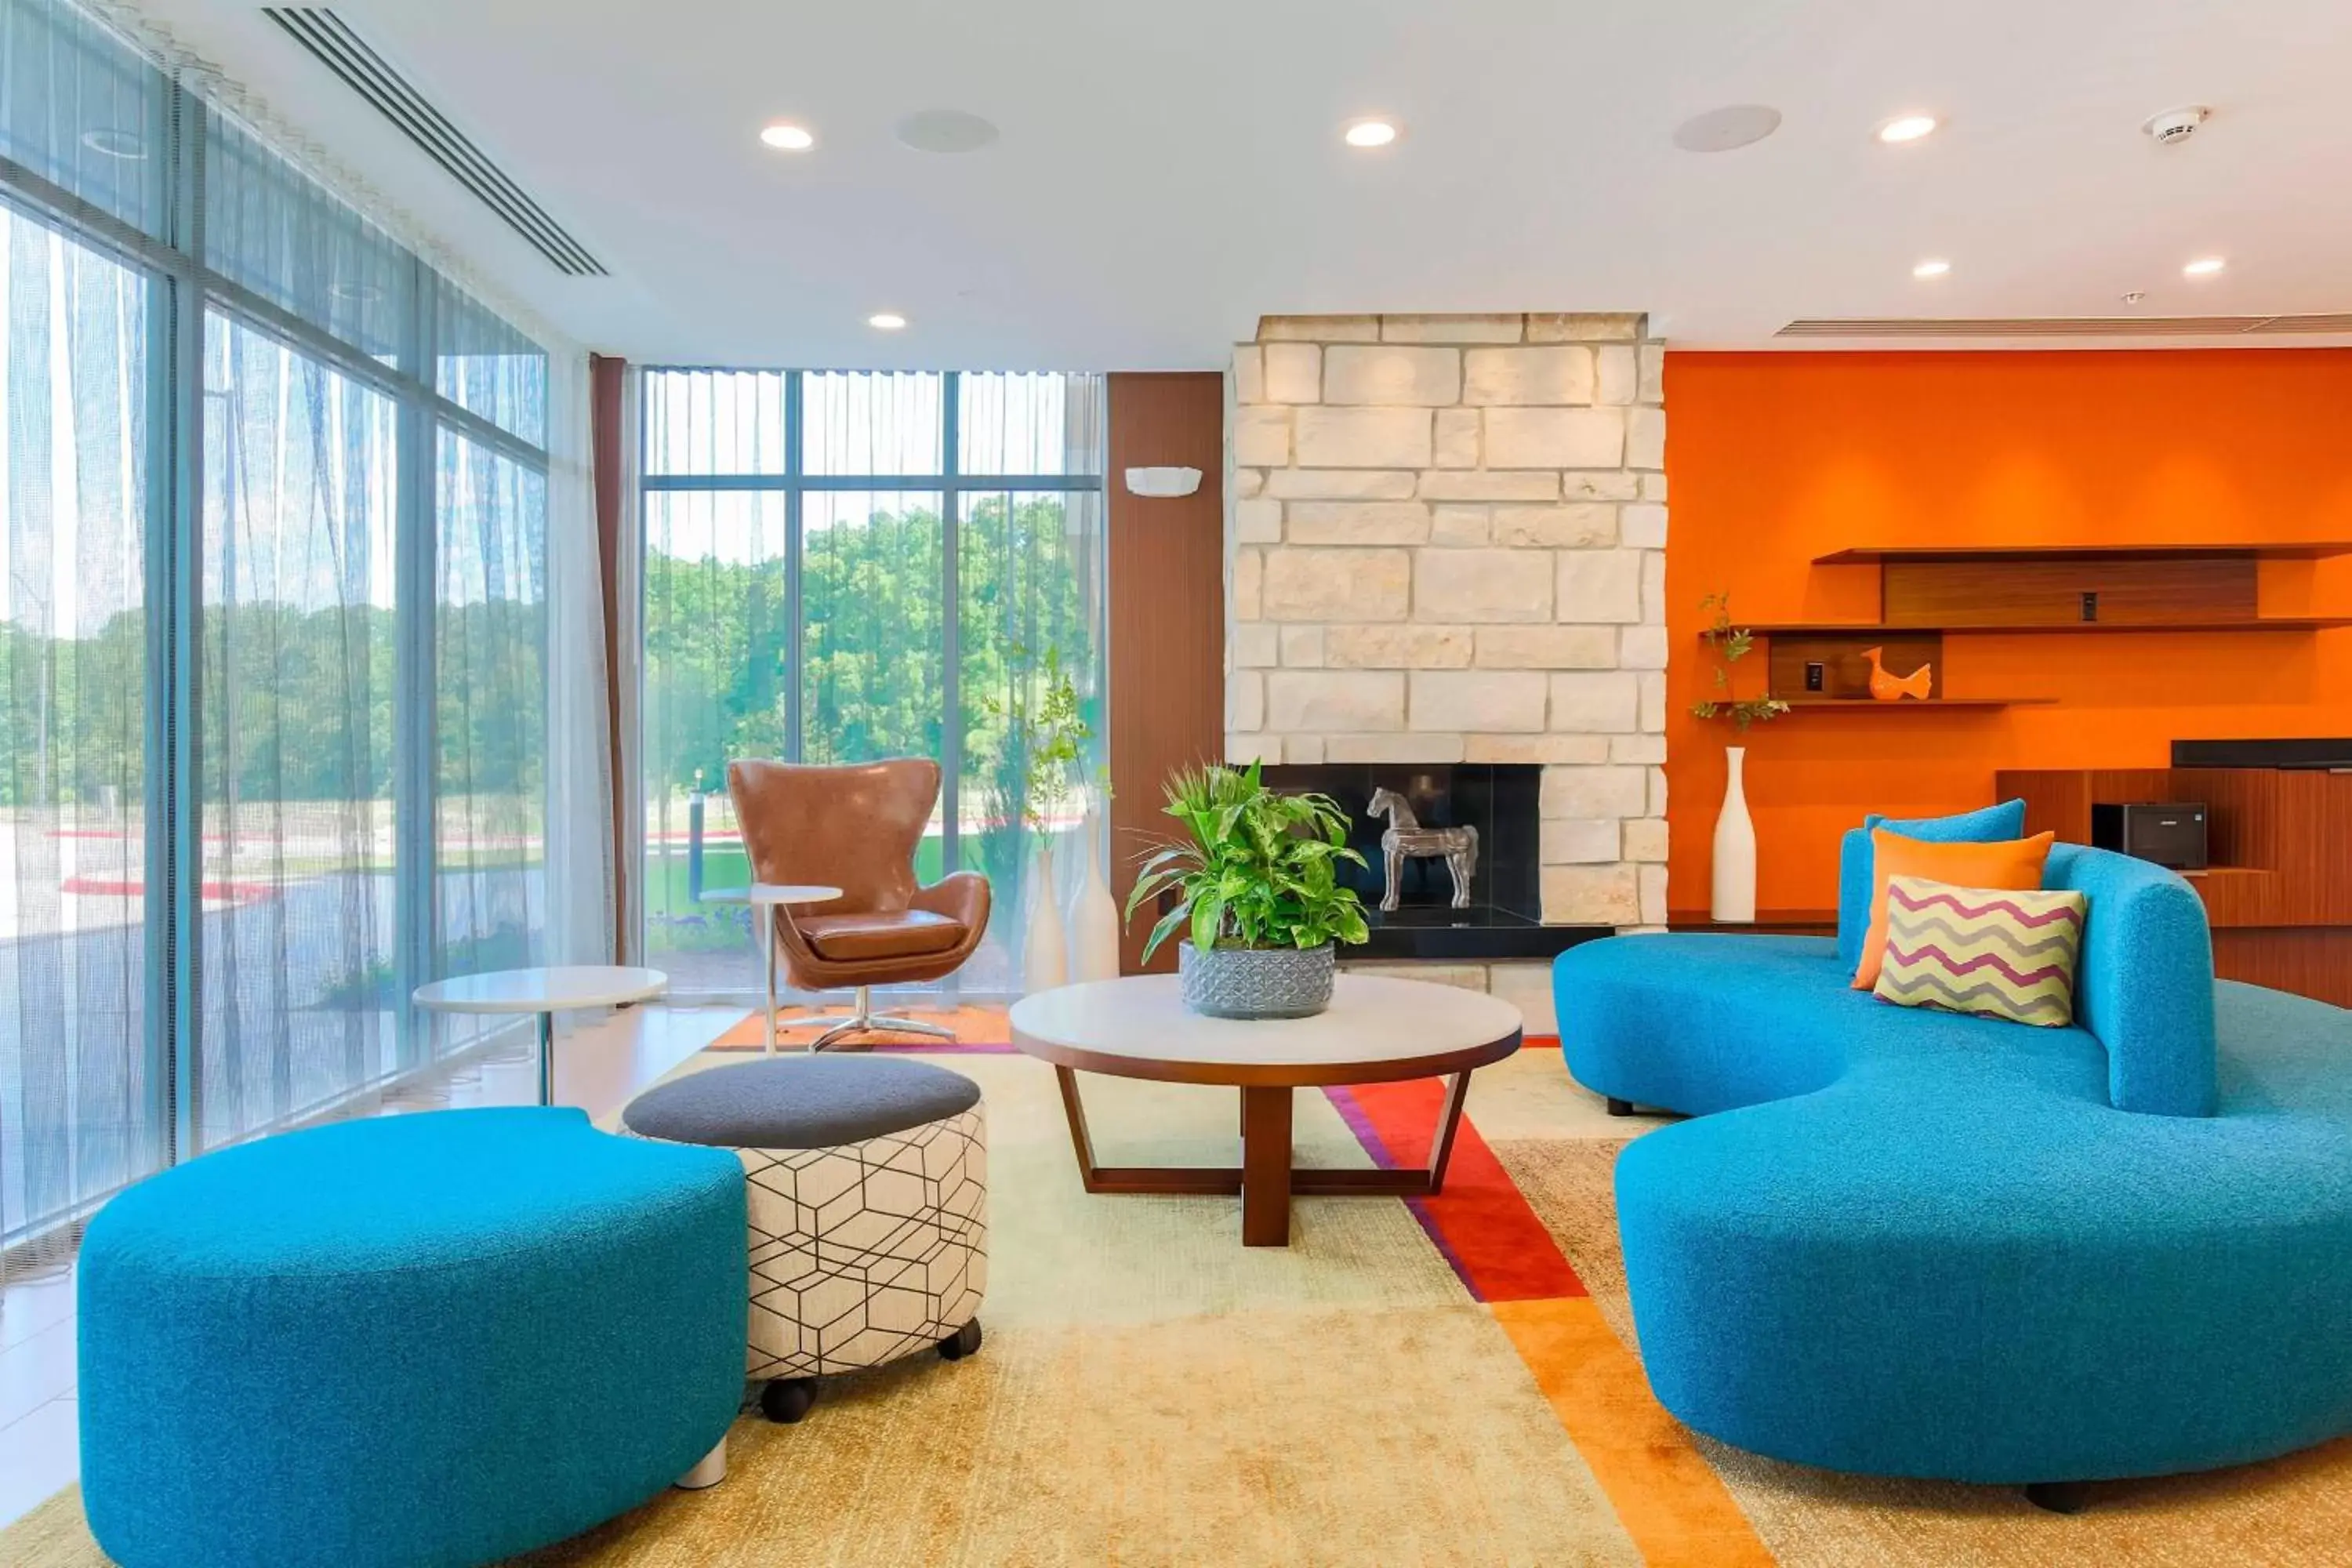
<point x="1445" y="1381"/>
<point x="976" y="1028"/>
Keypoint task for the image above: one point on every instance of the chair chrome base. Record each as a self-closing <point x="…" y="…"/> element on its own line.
<point x="864" y="1020"/>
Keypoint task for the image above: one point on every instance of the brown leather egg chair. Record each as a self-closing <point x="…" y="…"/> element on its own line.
<point x="857" y="828"/>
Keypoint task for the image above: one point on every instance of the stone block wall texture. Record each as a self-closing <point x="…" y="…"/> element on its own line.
<point x="1446" y="542"/>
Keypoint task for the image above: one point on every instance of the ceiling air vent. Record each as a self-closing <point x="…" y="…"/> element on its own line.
<point x="2067" y="326"/>
<point x="365" y="72"/>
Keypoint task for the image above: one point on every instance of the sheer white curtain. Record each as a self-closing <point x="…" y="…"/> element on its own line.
<point x="358" y="634"/>
<point x="579" y="874"/>
<point x="830" y="577"/>
<point x="79" y="1104"/>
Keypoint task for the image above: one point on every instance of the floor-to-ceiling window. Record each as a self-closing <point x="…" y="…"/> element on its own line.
<point x="840" y="567"/>
<point x="273" y="630"/>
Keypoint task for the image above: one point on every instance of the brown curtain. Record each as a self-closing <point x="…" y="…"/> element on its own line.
<point x="606" y="394"/>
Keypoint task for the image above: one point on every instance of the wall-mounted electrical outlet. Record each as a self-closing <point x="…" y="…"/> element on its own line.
<point x="1815" y="674"/>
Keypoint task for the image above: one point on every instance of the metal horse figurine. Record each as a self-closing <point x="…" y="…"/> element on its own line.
<point x="1406" y="836"/>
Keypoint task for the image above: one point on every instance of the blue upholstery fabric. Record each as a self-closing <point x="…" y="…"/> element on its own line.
<point x="2144" y="983"/>
<point x="1910" y="1242"/>
<point x="1856" y="861"/>
<point x="437" y="1339"/>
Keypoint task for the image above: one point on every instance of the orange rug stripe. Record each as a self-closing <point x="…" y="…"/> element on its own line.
<point x="1666" y="1495"/>
<point x="1478" y="1219"/>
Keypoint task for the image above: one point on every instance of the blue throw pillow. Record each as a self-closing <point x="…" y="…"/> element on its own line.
<point x="1856" y="883"/>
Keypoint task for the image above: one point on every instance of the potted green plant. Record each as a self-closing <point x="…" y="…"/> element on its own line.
<point x="1256" y="893"/>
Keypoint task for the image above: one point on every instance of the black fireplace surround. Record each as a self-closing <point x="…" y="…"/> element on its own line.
<point x="1504" y="802"/>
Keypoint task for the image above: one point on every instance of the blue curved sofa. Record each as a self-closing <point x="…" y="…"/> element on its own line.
<point x="1910" y="1242"/>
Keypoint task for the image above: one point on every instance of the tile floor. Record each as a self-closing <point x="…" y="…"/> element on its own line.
<point x="599" y="1064"/>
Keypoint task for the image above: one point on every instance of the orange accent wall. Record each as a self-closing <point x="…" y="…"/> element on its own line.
<point x="1774" y="458"/>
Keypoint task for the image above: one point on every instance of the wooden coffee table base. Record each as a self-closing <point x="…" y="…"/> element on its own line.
<point x="1265" y="1178"/>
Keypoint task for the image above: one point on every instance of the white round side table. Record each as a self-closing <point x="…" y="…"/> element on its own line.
<point x="545" y="992"/>
<point x="768" y="898"/>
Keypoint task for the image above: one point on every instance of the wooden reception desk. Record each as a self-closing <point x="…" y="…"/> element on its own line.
<point x="2279" y="890"/>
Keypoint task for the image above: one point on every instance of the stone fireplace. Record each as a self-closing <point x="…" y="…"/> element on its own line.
<point x="1445" y="543"/>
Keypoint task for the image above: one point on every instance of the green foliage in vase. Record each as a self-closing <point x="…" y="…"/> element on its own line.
<point x="1259" y="869"/>
<point x="1730" y="644"/>
<point x="1043" y="717"/>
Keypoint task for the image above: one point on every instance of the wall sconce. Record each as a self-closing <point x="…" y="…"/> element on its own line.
<point x="1161" y="483"/>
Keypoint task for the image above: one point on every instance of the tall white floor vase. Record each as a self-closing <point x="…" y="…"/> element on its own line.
<point x="1046" y="949"/>
<point x="1094" y="916"/>
<point x="1735" y="846"/>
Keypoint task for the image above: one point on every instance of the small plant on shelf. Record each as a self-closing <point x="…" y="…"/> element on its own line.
<point x="1729" y="644"/>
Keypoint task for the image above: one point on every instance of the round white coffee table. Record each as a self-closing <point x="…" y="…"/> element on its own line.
<point x="768" y="898"/>
<point x="1377" y="1030"/>
<point x="545" y="992"/>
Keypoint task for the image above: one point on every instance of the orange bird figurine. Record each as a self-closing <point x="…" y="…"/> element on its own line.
<point x="1895" y="688"/>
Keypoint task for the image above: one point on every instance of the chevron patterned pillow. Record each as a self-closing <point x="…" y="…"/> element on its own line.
<point x="1973" y="950"/>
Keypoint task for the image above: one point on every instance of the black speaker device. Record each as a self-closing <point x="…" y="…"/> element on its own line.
<point x="2170" y="833"/>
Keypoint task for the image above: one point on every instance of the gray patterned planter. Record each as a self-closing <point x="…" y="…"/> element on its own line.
<point x="1255" y="982"/>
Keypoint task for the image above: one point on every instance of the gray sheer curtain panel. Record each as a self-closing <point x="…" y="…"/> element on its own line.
<point x="291" y="696"/>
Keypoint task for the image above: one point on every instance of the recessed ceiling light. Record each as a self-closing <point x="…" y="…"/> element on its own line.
<point x="1934" y="266"/>
<point x="1370" y="133"/>
<point x="944" y="130"/>
<point x="2203" y="267"/>
<point x="1907" y="128"/>
<point x="1727" y="129"/>
<point x="115" y="144"/>
<point x="887" y="322"/>
<point x="788" y="138"/>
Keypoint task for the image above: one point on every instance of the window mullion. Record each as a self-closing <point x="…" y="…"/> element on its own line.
<point x="417" y="922"/>
<point x="795" y="643"/>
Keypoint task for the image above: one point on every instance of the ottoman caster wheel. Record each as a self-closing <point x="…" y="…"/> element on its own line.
<point x="965" y="1341"/>
<point x="786" y="1399"/>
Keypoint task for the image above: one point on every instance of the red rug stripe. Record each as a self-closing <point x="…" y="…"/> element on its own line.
<point x="1497" y="1244"/>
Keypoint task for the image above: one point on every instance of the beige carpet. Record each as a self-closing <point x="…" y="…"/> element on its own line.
<point x="1152" y="1393"/>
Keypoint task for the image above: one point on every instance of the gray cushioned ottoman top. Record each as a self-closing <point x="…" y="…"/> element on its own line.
<point x="800" y="1102"/>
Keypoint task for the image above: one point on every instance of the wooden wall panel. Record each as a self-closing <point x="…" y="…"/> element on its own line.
<point x="1166" y="611"/>
<point x="2277" y="895"/>
<point x="2050" y="592"/>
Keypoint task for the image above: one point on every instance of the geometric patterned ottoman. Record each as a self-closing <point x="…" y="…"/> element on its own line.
<point x="866" y="1187"/>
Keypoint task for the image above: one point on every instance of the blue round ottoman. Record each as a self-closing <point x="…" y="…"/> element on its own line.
<point x="417" y="1339"/>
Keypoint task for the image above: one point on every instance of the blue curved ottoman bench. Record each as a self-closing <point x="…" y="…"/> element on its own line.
<point x="437" y="1339"/>
<point x="1911" y="1243"/>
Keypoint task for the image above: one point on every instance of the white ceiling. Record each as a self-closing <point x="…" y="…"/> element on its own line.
<point x="1168" y="173"/>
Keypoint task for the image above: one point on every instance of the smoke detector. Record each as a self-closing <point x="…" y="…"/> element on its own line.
<point x="2176" y="124"/>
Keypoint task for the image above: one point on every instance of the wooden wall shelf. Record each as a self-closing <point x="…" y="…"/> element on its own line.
<point x="1927" y="593"/>
<point x="1809" y="703"/>
<point x="2239" y="624"/>
<point x="1875" y="555"/>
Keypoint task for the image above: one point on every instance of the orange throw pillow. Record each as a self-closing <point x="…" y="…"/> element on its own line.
<point x="2012" y="865"/>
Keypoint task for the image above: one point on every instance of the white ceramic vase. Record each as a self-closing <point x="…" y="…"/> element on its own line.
<point x="1046" y="949"/>
<point x="1094" y="915"/>
<point x="1735" y="846"/>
